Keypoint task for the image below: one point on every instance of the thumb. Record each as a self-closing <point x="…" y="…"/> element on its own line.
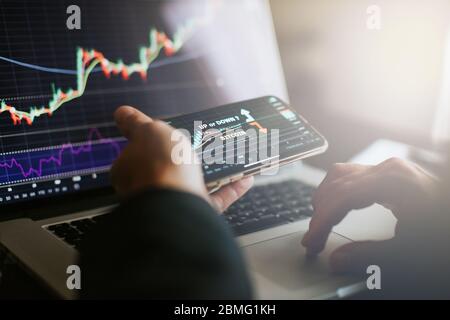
<point x="129" y="119"/>
<point x="355" y="257"/>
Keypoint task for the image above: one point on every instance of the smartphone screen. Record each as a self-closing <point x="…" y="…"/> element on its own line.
<point x="242" y="138"/>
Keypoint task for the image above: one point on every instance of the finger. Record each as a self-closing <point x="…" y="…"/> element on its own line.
<point x="380" y="184"/>
<point x="344" y="195"/>
<point x="229" y="194"/>
<point x="357" y="256"/>
<point x="129" y="119"/>
<point x="337" y="171"/>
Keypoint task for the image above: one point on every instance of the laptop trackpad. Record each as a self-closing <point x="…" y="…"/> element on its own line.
<point x="280" y="269"/>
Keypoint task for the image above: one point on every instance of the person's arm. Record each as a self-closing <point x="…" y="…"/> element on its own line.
<point x="163" y="244"/>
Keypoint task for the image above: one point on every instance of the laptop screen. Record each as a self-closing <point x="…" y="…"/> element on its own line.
<point x="65" y="66"/>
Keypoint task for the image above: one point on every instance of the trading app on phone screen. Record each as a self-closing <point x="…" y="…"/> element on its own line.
<point x="239" y="137"/>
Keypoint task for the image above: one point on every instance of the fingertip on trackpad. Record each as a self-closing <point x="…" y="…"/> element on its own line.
<point x="281" y="268"/>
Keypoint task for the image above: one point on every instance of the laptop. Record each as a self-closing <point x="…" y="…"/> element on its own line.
<point x="58" y="139"/>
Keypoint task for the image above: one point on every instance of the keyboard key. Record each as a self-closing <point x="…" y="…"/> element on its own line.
<point x="72" y="233"/>
<point x="256" y="225"/>
<point x="83" y="225"/>
<point x="285" y="213"/>
<point x="53" y="227"/>
<point x="268" y="216"/>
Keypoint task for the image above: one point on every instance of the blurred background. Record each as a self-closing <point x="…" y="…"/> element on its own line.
<point x="359" y="85"/>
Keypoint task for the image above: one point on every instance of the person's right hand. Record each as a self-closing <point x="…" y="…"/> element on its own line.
<point x="400" y="186"/>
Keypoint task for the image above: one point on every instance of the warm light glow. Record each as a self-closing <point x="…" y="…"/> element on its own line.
<point x="441" y="132"/>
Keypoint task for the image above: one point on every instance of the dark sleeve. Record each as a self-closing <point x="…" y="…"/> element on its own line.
<point x="163" y="244"/>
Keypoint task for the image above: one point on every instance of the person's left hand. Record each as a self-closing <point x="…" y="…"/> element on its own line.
<point x="147" y="161"/>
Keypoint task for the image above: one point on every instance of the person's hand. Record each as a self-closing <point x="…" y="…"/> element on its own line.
<point x="147" y="162"/>
<point x="227" y="195"/>
<point x="402" y="187"/>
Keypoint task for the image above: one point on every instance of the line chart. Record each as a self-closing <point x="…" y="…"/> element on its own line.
<point x="49" y="160"/>
<point x="92" y="61"/>
<point x="59" y="87"/>
<point x="154" y="65"/>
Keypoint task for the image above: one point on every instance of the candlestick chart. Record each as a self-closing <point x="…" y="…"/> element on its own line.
<point x="59" y="88"/>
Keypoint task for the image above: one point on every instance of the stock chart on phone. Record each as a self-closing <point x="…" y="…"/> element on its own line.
<point x="59" y="86"/>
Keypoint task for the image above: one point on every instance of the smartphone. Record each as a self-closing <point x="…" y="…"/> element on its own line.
<point x="246" y="138"/>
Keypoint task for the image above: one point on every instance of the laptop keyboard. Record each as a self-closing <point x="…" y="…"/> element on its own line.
<point x="261" y="208"/>
<point x="270" y="205"/>
<point x="73" y="232"/>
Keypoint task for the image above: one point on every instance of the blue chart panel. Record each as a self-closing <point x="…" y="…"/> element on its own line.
<point x="68" y="159"/>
